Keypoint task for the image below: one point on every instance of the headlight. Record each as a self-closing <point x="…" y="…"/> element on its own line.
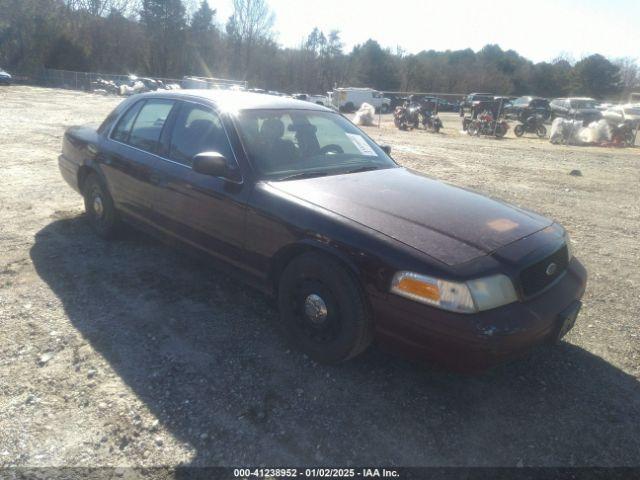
<point x="469" y="297"/>
<point x="567" y="241"/>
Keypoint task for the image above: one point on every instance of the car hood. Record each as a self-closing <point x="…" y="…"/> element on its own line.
<point x="450" y="224"/>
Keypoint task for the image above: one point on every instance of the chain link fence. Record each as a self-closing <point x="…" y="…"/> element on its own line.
<point x="90" y="81"/>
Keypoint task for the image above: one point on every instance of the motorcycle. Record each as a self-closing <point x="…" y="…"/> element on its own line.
<point x="531" y="124"/>
<point x="485" y="124"/>
<point x="406" y="116"/>
<point x="430" y="121"/>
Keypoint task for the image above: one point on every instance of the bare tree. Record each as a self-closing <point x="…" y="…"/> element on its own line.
<point x="629" y="74"/>
<point x="250" y="24"/>
<point x="104" y="7"/>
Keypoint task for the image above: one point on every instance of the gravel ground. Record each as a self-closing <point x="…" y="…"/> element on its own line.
<point x="133" y="354"/>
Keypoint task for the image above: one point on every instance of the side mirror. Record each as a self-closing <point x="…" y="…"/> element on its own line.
<point x="211" y="163"/>
<point x="386" y="149"/>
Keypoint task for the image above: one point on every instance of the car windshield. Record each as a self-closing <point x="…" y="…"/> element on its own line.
<point x="287" y="144"/>
<point x="583" y="104"/>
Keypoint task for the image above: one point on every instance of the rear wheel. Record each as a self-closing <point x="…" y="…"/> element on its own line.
<point x="501" y="130"/>
<point x="99" y="207"/>
<point x="323" y="310"/>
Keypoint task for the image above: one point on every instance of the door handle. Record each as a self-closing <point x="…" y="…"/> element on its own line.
<point x="159" y="180"/>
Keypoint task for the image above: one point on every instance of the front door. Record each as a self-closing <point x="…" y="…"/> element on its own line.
<point x="204" y="211"/>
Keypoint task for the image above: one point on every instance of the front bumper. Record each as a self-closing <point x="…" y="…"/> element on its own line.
<point x="475" y="342"/>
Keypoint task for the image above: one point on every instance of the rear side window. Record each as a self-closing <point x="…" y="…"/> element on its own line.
<point x="148" y="124"/>
<point x="121" y="132"/>
<point x="198" y="129"/>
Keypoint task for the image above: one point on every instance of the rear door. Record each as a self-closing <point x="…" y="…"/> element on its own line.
<point x="204" y="211"/>
<point x="129" y="160"/>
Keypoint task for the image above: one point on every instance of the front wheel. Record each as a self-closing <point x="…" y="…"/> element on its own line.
<point x="518" y="130"/>
<point x="541" y="131"/>
<point x="323" y="310"/>
<point x="99" y="207"/>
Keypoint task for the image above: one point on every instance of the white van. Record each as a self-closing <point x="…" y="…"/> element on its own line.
<point x="350" y="99"/>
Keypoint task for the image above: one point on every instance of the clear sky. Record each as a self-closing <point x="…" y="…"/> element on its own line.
<point x="539" y="30"/>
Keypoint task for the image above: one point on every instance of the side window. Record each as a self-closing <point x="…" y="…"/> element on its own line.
<point x="121" y="132"/>
<point x="148" y="125"/>
<point x="198" y="129"/>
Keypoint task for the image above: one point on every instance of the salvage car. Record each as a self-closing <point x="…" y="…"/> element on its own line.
<point x="524" y="107"/>
<point x="5" y="77"/>
<point x="579" y="108"/>
<point x="623" y="113"/>
<point x="474" y="98"/>
<point x="301" y="203"/>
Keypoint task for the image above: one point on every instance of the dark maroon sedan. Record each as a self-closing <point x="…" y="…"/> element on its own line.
<point x="308" y="208"/>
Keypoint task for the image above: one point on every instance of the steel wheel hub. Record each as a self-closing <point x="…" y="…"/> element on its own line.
<point x="98" y="207"/>
<point x="315" y="309"/>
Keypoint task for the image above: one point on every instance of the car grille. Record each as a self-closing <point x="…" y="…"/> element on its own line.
<point x="537" y="277"/>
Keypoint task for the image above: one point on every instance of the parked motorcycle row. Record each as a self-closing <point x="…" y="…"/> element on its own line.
<point x="416" y="112"/>
<point x="582" y="122"/>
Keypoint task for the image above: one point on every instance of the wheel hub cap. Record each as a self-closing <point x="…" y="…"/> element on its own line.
<point x="315" y="309"/>
<point x="98" y="208"/>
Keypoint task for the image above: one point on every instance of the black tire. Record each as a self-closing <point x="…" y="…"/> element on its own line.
<point x="501" y="131"/>
<point x="384" y="108"/>
<point x="349" y="107"/>
<point x="333" y="334"/>
<point x="518" y="130"/>
<point x="541" y="131"/>
<point x="99" y="207"/>
<point x="630" y="139"/>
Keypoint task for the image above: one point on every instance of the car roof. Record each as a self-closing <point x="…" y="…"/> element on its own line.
<point x="534" y="97"/>
<point x="232" y="100"/>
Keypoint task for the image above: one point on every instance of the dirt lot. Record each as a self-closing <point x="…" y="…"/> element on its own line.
<point x="130" y="353"/>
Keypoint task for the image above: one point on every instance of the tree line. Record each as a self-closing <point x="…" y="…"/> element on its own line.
<point x="173" y="38"/>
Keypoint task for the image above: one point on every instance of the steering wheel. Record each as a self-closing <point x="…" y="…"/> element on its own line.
<point x="331" y="148"/>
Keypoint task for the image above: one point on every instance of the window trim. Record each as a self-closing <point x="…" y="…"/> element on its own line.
<point x="147" y="100"/>
<point x="120" y="117"/>
<point x="239" y="181"/>
<point x="181" y="104"/>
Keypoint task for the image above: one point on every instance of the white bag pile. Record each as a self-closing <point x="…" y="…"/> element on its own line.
<point x="565" y="131"/>
<point x="596" y="132"/>
<point x="365" y="115"/>
<point x="571" y="132"/>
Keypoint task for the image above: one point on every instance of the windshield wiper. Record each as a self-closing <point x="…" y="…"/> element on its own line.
<point x="365" y="168"/>
<point x="301" y="175"/>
